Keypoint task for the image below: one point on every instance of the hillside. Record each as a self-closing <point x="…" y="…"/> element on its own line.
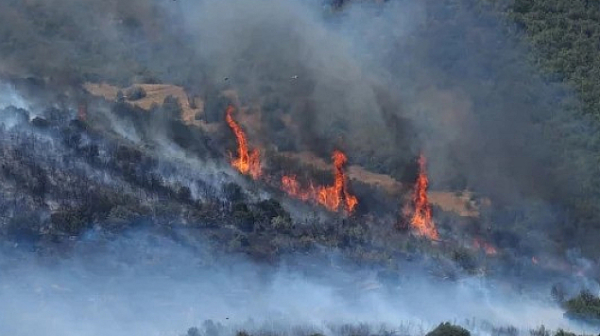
<point x="269" y="164"/>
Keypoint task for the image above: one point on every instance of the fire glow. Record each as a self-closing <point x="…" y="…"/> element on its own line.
<point x="422" y="220"/>
<point x="332" y="197"/>
<point x="488" y="248"/>
<point x="247" y="161"/>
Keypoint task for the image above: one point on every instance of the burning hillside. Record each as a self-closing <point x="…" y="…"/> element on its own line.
<point x="419" y="212"/>
<point x="247" y="161"/>
<point x="334" y="197"/>
<point x="222" y="129"/>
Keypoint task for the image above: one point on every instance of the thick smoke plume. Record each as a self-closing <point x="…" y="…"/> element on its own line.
<point x="391" y="79"/>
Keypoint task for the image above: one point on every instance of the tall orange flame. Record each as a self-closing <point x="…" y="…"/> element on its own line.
<point x="331" y="197"/>
<point x="247" y="161"/>
<point x="422" y="220"/>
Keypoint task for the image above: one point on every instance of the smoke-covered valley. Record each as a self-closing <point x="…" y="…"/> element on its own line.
<point x="289" y="167"/>
<point x="143" y="282"/>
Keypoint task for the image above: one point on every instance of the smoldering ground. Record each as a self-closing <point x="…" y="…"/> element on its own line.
<point x="143" y="282"/>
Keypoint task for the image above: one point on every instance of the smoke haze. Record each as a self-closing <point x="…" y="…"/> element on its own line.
<point x="144" y="283"/>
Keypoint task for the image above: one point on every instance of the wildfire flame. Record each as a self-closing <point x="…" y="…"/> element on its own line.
<point x="331" y="197"/>
<point x="422" y="220"/>
<point x="292" y="187"/>
<point x="247" y="161"/>
<point x="488" y="248"/>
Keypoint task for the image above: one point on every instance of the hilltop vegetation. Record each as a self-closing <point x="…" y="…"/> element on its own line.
<point x="565" y="39"/>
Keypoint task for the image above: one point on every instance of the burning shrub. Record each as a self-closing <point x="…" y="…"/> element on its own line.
<point x="247" y="161"/>
<point x="585" y="306"/>
<point x="447" y="329"/>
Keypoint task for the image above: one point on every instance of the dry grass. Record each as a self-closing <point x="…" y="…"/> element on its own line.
<point x="155" y="95"/>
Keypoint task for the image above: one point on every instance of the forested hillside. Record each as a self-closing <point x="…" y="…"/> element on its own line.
<point x="565" y="40"/>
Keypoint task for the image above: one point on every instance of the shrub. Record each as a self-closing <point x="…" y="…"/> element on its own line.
<point x="585" y="306"/>
<point x="505" y="331"/>
<point x="561" y="332"/>
<point x="271" y="208"/>
<point x="193" y="332"/>
<point x="541" y="331"/>
<point x="135" y="93"/>
<point x="281" y="223"/>
<point x="233" y="192"/>
<point x="120" y="97"/>
<point x="172" y="108"/>
<point x="447" y="329"/>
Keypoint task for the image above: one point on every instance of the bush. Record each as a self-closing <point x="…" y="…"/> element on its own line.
<point x="541" y="331"/>
<point x="281" y="223"/>
<point x="269" y="209"/>
<point x="120" y="97"/>
<point x="447" y="329"/>
<point x="172" y="108"/>
<point x="136" y="93"/>
<point x="585" y="306"/>
<point x="193" y="332"/>
<point x="233" y="192"/>
<point x="561" y="332"/>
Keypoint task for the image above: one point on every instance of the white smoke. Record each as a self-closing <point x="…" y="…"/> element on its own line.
<point x="145" y="284"/>
<point x="10" y="97"/>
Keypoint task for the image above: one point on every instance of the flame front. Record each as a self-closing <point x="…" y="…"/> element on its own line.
<point x="247" y="161"/>
<point x="331" y="197"/>
<point x="422" y="220"/>
<point x="292" y="187"/>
